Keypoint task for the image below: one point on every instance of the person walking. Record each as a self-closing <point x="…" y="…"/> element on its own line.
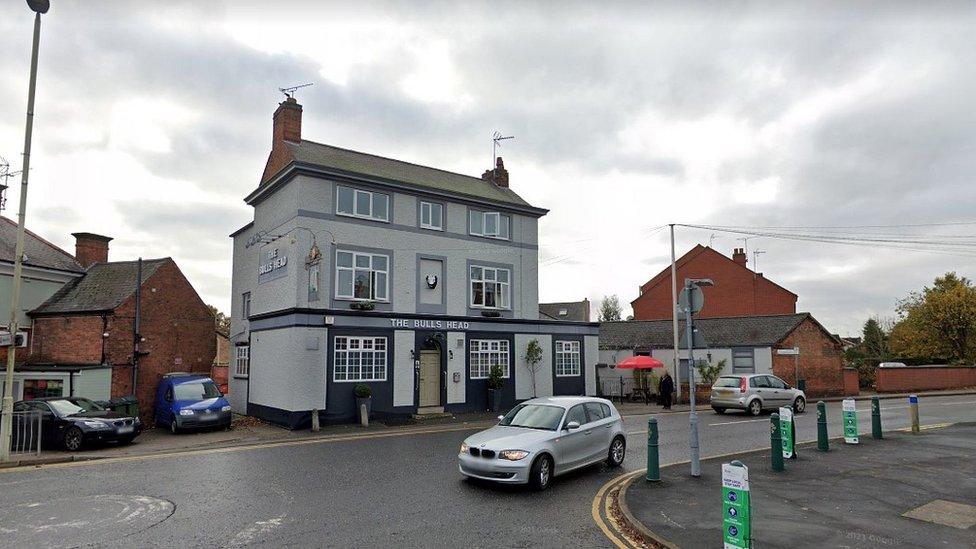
<point x="665" y="388"/>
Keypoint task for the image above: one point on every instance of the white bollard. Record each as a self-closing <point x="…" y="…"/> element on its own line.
<point x="364" y="415"/>
<point x="315" y="421"/>
<point x="913" y="404"/>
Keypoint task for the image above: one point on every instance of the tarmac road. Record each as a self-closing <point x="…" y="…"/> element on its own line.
<point x="372" y="491"/>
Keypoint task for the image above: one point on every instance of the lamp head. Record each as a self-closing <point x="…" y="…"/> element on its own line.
<point x="39" y="6"/>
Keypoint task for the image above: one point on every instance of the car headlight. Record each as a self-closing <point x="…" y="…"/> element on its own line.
<point x="512" y="455"/>
<point x="464" y="448"/>
<point x="186" y="412"/>
<point x="95" y="424"/>
<point x="225" y="408"/>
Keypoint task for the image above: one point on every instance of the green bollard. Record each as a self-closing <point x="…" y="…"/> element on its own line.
<point x="822" y="441"/>
<point x="876" y="418"/>
<point x="653" y="461"/>
<point x="775" y="443"/>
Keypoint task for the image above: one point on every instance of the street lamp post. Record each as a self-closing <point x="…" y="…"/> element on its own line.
<point x="691" y="285"/>
<point x="39" y="7"/>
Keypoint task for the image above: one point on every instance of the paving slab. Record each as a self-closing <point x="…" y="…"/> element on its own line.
<point x="903" y="491"/>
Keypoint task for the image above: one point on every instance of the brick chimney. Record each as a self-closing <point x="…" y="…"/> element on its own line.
<point x="287" y="122"/>
<point x="91" y="248"/>
<point x="739" y="256"/>
<point x="287" y="126"/>
<point x="498" y="176"/>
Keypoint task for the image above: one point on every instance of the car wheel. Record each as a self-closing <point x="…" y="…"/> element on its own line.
<point x="719" y="410"/>
<point x="618" y="449"/>
<point x="540" y="476"/>
<point x="755" y="407"/>
<point x="173" y="428"/>
<point x="799" y="405"/>
<point x="73" y="439"/>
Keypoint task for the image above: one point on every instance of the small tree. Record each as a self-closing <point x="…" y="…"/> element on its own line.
<point x="533" y="356"/>
<point x="708" y="372"/>
<point x="610" y="309"/>
<point x="495" y="379"/>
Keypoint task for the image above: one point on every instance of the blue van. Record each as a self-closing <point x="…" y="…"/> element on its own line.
<point x="190" y="401"/>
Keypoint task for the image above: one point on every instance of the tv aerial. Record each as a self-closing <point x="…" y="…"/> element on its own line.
<point x="5" y="175"/>
<point x="290" y="92"/>
<point x="496" y="137"/>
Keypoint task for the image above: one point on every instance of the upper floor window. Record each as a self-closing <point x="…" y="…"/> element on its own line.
<point x="490" y="287"/>
<point x="362" y="276"/>
<point x="489" y="224"/>
<point x="432" y="216"/>
<point x="366" y="204"/>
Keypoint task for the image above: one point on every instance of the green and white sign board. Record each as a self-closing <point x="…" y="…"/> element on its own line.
<point x="786" y="430"/>
<point x="850" y="421"/>
<point x="736" y="524"/>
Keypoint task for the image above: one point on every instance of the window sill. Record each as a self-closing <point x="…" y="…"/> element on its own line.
<point x="569" y="375"/>
<point x="429" y="228"/>
<point x="365" y="217"/>
<point x="358" y="380"/>
<point x="499" y="238"/>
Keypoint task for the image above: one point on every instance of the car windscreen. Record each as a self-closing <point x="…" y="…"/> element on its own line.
<point x="534" y="416"/>
<point x="197" y="390"/>
<point x="85" y="404"/>
<point x="727" y="382"/>
<point x="65" y="407"/>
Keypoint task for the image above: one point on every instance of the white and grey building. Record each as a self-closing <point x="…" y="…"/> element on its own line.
<point x="410" y="279"/>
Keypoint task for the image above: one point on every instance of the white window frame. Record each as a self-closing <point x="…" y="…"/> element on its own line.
<point x="346" y="347"/>
<point x="498" y="225"/>
<point x="480" y="367"/>
<point x="355" y="204"/>
<point x="372" y="276"/>
<point x="568" y="360"/>
<point x="242" y="361"/>
<point x="502" y="289"/>
<point x="439" y="226"/>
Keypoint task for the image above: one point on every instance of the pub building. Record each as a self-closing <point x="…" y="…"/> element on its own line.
<point x="360" y="269"/>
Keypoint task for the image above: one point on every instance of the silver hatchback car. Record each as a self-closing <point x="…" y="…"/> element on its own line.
<point x="545" y="437"/>
<point x="755" y="393"/>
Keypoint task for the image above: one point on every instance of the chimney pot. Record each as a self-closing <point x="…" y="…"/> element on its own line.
<point x="91" y="248"/>
<point x="739" y="256"/>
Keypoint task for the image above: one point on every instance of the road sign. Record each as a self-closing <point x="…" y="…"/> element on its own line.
<point x="786" y="430"/>
<point x="696" y="338"/>
<point x="736" y="521"/>
<point x="793" y="351"/>
<point x="850" y="421"/>
<point x="696" y="301"/>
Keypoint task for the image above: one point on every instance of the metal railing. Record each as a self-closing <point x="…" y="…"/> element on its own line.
<point x="26" y="433"/>
<point x="624" y="389"/>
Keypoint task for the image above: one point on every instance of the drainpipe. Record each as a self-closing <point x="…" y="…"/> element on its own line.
<point x="137" y="336"/>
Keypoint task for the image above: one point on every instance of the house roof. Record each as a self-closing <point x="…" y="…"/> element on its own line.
<point x="103" y="288"/>
<point x="574" y="310"/>
<point x="742" y="331"/>
<point x="354" y="163"/>
<point x="698" y="250"/>
<point x="39" y="252"/>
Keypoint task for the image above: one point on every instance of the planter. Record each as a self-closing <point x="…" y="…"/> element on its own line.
<point x="362" y="305"/>
<point x="368" y="401"/>
<point x="495" y="400"/>
<point x="491" y="314"/>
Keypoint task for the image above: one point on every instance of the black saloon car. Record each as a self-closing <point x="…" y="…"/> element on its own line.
<point x="72" y="422"/>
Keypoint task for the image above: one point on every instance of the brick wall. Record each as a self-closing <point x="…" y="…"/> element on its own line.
<point x="821" y="361"/>
<point x="852" y="382"/>
<point x="176" y="324"/>
<point x="922" y="378"/>
<point x="737" y="291"/>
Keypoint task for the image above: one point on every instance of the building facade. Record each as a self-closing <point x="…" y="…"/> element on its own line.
<point x="359" y="269"/>
<point x="738" y="291"/>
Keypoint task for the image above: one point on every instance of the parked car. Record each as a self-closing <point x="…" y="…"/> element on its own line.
<point x="755" y="393"/>
<point x="73" y="422"/>
<point x="545" y="437"/>
<point x="190" y="401"/>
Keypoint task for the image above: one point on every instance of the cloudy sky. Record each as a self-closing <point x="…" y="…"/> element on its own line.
<point x="153" y="120"/>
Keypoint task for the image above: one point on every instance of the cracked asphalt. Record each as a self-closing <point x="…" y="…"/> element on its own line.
<point x="401" y="490"/>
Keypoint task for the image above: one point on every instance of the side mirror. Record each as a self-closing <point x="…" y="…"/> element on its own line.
<point x="572" y="425"/>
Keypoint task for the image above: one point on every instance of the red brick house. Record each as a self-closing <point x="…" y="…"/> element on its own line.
<point x="738" y="291"/>
<point x="89" y="325"/>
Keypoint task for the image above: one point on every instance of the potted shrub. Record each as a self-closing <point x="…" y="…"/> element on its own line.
<point x="364" y="395"/>
<point x="495" y="383"/>
<point x="362" y="305"/>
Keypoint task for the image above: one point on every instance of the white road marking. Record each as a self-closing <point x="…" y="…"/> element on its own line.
<point x="766" y="419"/>
<point x="955" y="403"/>
<point x="259" y="528"/>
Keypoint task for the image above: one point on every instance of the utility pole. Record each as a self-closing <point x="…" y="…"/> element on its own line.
<point x="674" y="321"/>
<point x="6" y="420"/>
<point x="693" y="302"/>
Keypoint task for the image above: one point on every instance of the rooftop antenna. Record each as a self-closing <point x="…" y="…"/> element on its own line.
<point x="6" y="174"/>
<point x="290" y="92"/>
<point x="755" y="260"/>
<point x="495" y="138"/>
<point x="711" y="239"/>
<point x="745" y="244"/>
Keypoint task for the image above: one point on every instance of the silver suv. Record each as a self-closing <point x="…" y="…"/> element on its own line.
<point x="755" y="393"/>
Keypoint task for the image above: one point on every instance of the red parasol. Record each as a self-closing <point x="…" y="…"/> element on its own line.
<point x="640" y="363"/>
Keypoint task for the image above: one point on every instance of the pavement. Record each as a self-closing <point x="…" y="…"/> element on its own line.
<point x="386" y="486"/>
<point x="852" y="496"/>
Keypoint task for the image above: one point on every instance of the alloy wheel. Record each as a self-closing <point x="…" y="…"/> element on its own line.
<point x="544" y="472"/>
<point x="755" y="407"/>
<point x="617" y="451"/>
<point x="799" y="405"/>
<point x="72" y="439"/>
